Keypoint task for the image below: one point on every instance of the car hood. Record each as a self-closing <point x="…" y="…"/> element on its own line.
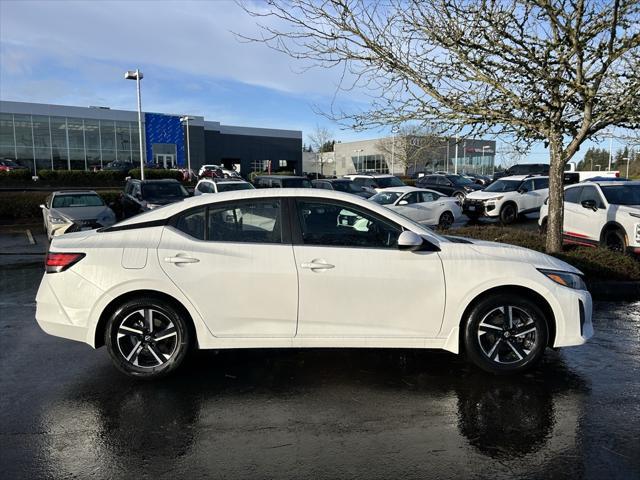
<point x="629" y="208"/>
<point x="80" y="213"/>
<point x="482" y="195"/>
<point x="513" y="253"/>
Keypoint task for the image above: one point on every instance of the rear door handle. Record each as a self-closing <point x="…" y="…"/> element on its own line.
<point x="180" y="259"/>
<point x="316" y="265"/>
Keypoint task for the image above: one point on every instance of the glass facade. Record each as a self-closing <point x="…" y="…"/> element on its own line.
<point x="66" y="143"/>
<point x="370" y="163"/>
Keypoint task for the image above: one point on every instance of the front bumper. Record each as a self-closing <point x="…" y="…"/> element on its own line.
<point x="576" y="327"/>
<point x="479" y="208"/>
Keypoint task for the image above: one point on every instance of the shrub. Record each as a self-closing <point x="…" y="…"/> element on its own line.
<point x="596" y="263"/>
<point x="15" y="177"/>
<point x="157" y="173"/>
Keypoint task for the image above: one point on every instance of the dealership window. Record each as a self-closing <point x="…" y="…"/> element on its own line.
<point x="123" y="141"/>
<point x="59" y="150"/>
<point x="107" y="135"/>
<point x="370" y="163"/>
<point x="6" y="134"/>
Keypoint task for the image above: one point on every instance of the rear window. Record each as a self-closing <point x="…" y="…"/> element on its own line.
<point x="228" y="187"/>
<point x="296" y="183"/>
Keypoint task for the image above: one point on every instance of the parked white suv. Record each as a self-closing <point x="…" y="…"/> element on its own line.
<point x="601" y="213"/>
<point x="288" y="267"/>
<point x="218" y="185"/>
<point x="508" y="197"/>
<point x="375" y="182"/>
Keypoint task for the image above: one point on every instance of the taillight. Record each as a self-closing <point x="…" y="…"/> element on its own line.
<point x="617" y="174"/>
<point x="59" y="262"/>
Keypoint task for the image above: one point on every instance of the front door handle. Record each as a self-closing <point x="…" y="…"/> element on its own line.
<point x="181" y="259"/>
<point x="317" y="265"/>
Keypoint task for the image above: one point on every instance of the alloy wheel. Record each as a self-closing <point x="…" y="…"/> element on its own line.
<point x="507" y="334"/>
<point x="446" y="220"/>
<point x="147" y="338"/>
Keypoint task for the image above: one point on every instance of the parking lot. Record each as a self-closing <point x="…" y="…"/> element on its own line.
<point x="66" y="412"/>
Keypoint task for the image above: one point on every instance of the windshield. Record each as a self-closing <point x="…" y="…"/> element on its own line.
<point x="503" y="186"/>
<point x="153" y="192"/>
<point x="348" y="187"/>
<point x="622" y="194"/>
<point x="296" y="183"/>
<point x="386" y="182"/>
<point x="77" y="200"/>
<point x="228" y="187"/>
<point x="459" y="180"/>
<point x="385" y="198"/>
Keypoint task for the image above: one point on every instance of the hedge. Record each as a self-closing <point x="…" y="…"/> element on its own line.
<point x="596" y="263"/>
<point x="15" y="177"/>
<point x="26" y="205"/>
<point x="157" y="173"/>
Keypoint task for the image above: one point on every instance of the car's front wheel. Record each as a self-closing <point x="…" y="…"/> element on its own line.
<point x="446" y="220"/>
<point x="147" y="338"/>
<point x="508" y="214"/>
<point x="505" y="334"/>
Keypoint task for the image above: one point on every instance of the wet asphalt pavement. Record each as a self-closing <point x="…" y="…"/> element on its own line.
<point x="67" y="413"/>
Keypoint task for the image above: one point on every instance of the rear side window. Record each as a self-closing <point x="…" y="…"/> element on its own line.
<point x="541" y="183"/>
<point x="571" y="195"/>
<point x="245" y="222"/>
<point x="192" y="223"/>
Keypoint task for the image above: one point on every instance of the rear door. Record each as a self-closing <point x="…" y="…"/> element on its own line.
<point x="235" y="264"/>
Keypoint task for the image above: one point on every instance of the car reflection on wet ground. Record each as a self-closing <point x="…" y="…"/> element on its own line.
<point x="66" y="412"/>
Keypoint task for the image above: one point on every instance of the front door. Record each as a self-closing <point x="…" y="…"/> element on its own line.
<point x="229" y="260"/>
<point x="166" y="160"/>
<point x="353" y="280"/>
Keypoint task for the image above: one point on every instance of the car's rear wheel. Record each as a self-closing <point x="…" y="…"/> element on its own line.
<point x="505" y="334"/>
<point x="446" y="220"/>
<point x="508" y="214"/>
<point x="615" y="240"/>
<point x="147" y="338"/>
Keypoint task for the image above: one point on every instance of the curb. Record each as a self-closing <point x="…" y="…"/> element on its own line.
<point x="623" y="290"/>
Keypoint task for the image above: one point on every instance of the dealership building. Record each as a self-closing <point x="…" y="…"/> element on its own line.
<point x="42" y="136"/>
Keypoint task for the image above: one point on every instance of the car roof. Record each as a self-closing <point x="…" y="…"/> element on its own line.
<point x="610" y="183"/>
<point x="406" y="189"/>
<point x="222" y="180"/>
<point x="280" y="176"/>
<point x="371" y="175"/>
<point x="63" y="192"/>
<point x="198" y="200"/>
<point x="522" y="177"/>
<point x="154" y="180"/>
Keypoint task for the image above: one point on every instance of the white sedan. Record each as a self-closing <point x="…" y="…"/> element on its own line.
<point x="420" y="205"/>
<point x="70" y="211"/>
<point x="303" y="268"/>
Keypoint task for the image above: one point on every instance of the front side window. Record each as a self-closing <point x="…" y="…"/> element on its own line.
<point x="428" y="196"/>
<point x="528" y="185"/>
<point x="411" y="198"/>
<point x="341" y="225"/>
<point x="590" y="193"/>
<point x="571" y="194"/>
<point x="257" y="221"/>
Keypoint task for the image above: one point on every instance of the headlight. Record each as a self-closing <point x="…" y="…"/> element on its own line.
<point x="566" y="279"/>
<point x="494" y="199"/>
<point x="58" y="220"/>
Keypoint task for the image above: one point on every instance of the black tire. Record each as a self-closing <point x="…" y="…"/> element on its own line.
<point x="543" y="227"/>
<point x="161" y="344"/>
<point x="502" y="346"/>
<point x="508" y="214"/>
<point x="446" y="220"/>
<point x="615" y="240"/>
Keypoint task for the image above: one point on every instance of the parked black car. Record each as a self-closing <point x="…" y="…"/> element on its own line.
<point x="341" y="185"/>
<point x="142" y="195"/>
<point x="118" y="166"/>
<point x="281" y="181"/>
<point x="449" y="185"/>
<point x="523" y="169"/>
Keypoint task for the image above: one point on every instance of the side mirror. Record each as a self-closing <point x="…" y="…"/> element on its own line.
<point x="403" y="202"/>
<point x="409" y="240"/>
<point x="590" y="204"/>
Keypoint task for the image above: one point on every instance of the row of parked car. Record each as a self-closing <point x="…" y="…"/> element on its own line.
<point x="605" y="211"/>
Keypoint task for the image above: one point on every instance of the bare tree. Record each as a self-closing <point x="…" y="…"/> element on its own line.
<point x="319" y="139"/>
<point x="411" y="145"/>
<point x="558" y="71"/>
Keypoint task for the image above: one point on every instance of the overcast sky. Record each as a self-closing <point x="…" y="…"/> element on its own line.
<point x="76" y="52"/>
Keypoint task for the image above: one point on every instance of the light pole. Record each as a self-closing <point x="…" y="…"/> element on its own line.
<point x="627" y="159"/>
<point x="137" y="76"/>
<point x="394" y="132"/>
<point x="484" y="147"/>
<point x="186" y="119"/>
<point x="599" y="167"/>
<point x="455" y="165"/>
